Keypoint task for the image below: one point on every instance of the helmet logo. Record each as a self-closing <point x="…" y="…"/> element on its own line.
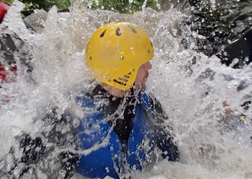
<point x="122" y="80"/>
<point x="119" y="82"/>
<point x="118" y="31"/>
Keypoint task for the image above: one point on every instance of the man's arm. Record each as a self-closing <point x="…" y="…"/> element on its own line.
<point x="162" y="132"/>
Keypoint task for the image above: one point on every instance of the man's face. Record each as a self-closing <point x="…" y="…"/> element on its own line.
<point x="142" y="76"/>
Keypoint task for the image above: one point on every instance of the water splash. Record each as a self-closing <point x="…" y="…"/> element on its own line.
<point x="196" y="91"/>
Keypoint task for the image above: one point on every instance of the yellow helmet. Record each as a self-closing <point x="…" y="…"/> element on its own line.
<point x="116" y="51"/>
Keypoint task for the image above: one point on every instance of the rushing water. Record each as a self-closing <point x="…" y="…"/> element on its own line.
<point x="196" y="91"/>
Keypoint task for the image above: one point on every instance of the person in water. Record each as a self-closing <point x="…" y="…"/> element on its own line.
<point x="123" y="128"/>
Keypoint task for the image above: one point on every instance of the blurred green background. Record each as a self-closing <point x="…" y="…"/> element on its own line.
<point x="122" y="6"/>
<point x="219" y="21"/>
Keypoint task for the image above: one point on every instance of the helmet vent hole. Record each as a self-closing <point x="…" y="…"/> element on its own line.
<point x="90" y="58"/>
<point x="118" y="32"/>
<point x="133" y="29"/>
<point x="151" y="43"/>
<point x="103" y="33"/>
<point x="122" y="79"/>
<point x="148" y="51"/>
<point x="126" y="76"/>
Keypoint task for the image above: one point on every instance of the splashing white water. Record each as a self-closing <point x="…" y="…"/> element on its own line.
<point x="191" y="86"/>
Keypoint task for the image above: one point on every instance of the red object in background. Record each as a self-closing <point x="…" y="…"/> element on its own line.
<point x="3" y="9"/>
<point x="3" y="72"/>
<point x="2" y="75"/>
<point x="5" y="77"/>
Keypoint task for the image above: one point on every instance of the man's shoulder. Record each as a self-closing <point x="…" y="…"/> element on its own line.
<point x="157" y="108"/>
<point x="84" y="99"/>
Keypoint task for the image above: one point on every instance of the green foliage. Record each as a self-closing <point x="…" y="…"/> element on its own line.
<point x="8" y="1"/>
<point x="123" y="6"/>
<point x="43" y="4"/>
<point x="62" y="4"/>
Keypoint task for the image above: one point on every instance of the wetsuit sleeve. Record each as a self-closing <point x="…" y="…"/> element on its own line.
<point x="162" y="132"/>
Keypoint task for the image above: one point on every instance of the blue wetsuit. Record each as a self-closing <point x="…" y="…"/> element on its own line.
<point x="121" y="133"/>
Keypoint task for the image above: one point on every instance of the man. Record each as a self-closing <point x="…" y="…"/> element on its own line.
<point x="123" y="127"/>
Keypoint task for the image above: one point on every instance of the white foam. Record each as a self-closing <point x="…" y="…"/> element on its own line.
<point x="192" y="93"/>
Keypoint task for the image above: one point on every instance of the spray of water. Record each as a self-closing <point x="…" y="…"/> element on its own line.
<point x="202" y="97"/>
